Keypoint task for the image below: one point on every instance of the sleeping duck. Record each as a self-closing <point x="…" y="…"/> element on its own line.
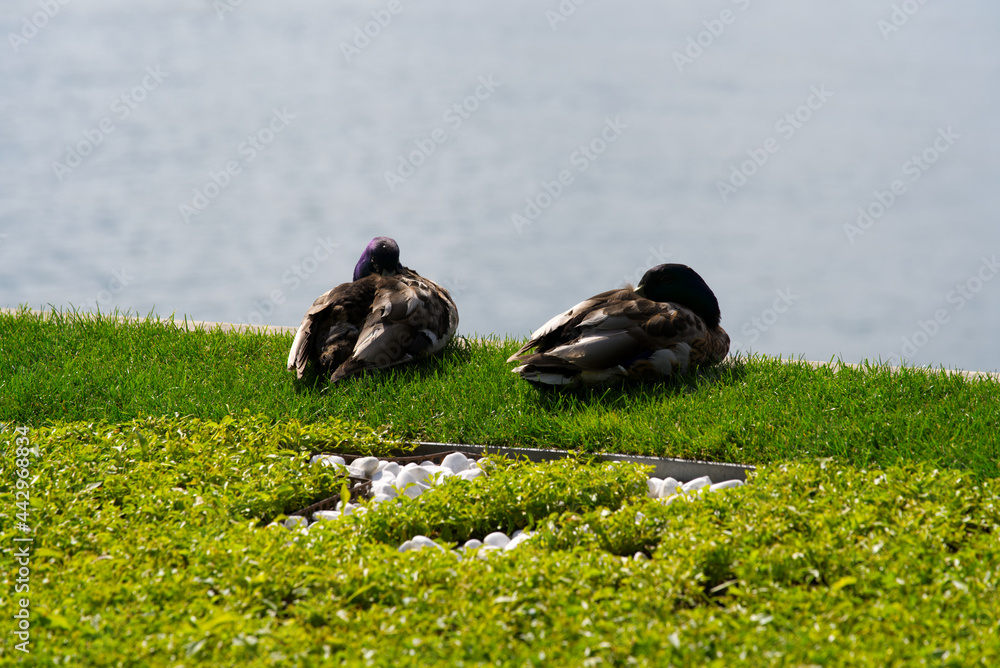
<point x="387" y="315"/>
<point x="667" y="325"/>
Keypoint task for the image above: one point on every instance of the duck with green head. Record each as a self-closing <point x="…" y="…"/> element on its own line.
<point x="387" y="315"/>
<point x="665" y="326"/>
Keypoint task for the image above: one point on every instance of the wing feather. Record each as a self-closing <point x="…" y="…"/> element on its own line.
<point x="410" y="317"/>
<point x="618" y="334"/>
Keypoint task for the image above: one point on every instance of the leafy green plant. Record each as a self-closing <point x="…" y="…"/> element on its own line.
<point x="514" y="495"/>
<point x="150" y="550"/>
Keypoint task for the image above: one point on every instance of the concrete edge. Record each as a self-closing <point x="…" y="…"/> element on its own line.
<point x="181" y="323"/>
<point x="836" y="366"/>
<point x="683" y="470"/>
<point x="275" y="329"/>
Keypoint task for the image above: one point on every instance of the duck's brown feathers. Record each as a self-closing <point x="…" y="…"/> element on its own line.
<point x="619" y="334"/>
<point x="372" y="323"/>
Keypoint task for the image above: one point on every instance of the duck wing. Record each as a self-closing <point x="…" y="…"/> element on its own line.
<point x="410" y="317"/>
<point x="330" y="328"/>
<point x="618" y="334"/>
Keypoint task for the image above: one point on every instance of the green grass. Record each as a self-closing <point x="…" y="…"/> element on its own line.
<point x="152" y="548"/>
<point x="749" y="410"/>
<point x="156" y="460"/>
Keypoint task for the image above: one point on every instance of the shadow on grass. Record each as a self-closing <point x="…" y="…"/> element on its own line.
<point x="454" y="354"/>
<point x="730" y="371"/>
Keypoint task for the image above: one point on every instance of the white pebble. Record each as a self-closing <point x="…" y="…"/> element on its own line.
<point x="392" y="467"/>
<point x="385" y="489"/>
<point x="329" y="460"/>
<point x="345" y="510"/>
<point x="441" y="476"/>
<point x="456" y="461"/>
<point x="414" y="490"/>
<point x="425" y="542"/>
<point x="427" y="462"/>
<point x="669" y="487"/>
<point x="470" y="474"/>
<point x="383" y="476"/>
<point x="367" y="465"/>
<point x="411" y="474"/>
<point x="436" y="474"/>
<point x="418" y="543"/>
<point x="473" y="543"/>
<point x="296" y="522"/>
<point x="518" y="538"/>
<point x="381" y="498"/>
<point x="697" y="483"/>
<point x="654" y="485"/>
<point x="497" y="539"/>
<point x="325" y="515"/>
<point x="726" y="485"/>
<point x="404" y="478"/>
<point x="485" y="550"/>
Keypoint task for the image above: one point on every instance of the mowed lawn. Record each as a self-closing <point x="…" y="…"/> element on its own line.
<point x="748" y="410"/>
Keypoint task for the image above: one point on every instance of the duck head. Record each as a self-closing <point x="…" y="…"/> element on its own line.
<point x="680" y="284"/>
<point x="381" y="256"/>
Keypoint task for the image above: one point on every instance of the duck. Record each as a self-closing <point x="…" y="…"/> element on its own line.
<point x="387" y="315"/>
<point x="664" y="327"/>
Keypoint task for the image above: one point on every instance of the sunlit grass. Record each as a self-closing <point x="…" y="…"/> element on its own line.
<point x="747" y="410"/>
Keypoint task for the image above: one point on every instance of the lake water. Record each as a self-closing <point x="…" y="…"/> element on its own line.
<point x="831" y="169"/>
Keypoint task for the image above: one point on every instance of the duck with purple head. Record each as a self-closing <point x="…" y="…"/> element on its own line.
<point x="665" y="326"/>
<point x="387" y="315"/>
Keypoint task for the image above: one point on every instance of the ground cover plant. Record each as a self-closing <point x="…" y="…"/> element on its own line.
<point x="160" y="462"/>
<point x="751" y="410"/>
<point x="154" y="545"/>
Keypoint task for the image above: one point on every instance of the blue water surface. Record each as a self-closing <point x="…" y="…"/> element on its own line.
<point x="830" y="168"/>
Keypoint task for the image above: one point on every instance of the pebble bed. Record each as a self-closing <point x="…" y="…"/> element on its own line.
<point x="390" y="479"/>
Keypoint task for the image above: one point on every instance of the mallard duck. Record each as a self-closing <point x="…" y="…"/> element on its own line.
<point x="387" y="315"/>
<point x="667" y="325"/>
